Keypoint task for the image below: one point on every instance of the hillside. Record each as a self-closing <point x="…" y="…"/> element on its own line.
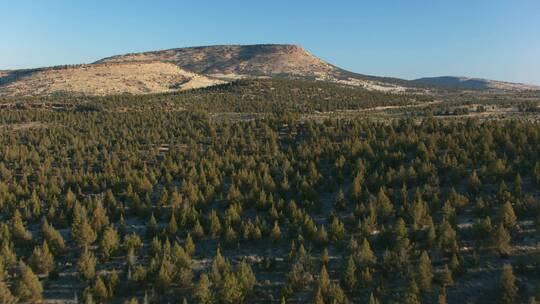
<point x="102" y="79"/>
<point x="195" y="67"/>
<point x="230" y="62"/>
<point x="474" y="83"/>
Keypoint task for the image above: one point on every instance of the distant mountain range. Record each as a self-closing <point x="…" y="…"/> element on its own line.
<point x="195" y="67"/>
<point x="473" y="83"/>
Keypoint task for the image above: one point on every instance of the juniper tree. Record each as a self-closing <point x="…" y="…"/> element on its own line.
<point x="28" y="287"/>
<point x="424" y="272"/>
<point x="500" y="240"/>
<point x="202" y="293"/>
<point x="507" y="216"/>
<point x="349" y="275"/>
<point x="6" y="297"/>
<point x="109" y="243"/>
<point x="42" y="259"/>
<point x="86" y="266"/>
<point x="507" y="286"/>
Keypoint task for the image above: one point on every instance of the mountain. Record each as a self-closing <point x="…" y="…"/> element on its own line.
<point x="473" y="83"/>
<point x="196" y="67"/>
<point x="229" y="62"/>
<point x="102" y="79"/>
<point x="184" y="68"/>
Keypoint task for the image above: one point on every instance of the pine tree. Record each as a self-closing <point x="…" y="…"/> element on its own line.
<point x="152" y="226"/>
<point x="189" y="245"/>
<point x="53" y="237"/>
<point x="42" y="259"/>
<point x="325" y="256"/>
<point x="365" y="256"/>
<point x="20" y="233"/>
<point x="356" y="186"/>
<point x="474" y="183"/>
<point x="5" y="294"/>
<point x="501" y="240"/>
<point x="507" y="216"/>
<point x="82" y="231"/>
<point x="349" y="275"/>
<point x="385" y="207"/>
<point x="86" y="266"/>
<point x="424" y="272"/>
<point x="230" y="291"/>
<point x="198" y="230"/>
<point x="203" y="293"/>
<point x="445" y="277"/>
<point x="508" y="288"/>
<point x="99" y="216"/>
<point x="99" y="290"/>
<point x="109" y="243"/>
<point x="215" y="226"/>
<point x="324" y="280"/>
<point x="246" y="278"/>
<point x="28" y="287"/>
<point x="172" y="227"/>
<point x="411" y="295"/>
<point x="447" y="237"/>
<point x="276" y="232"/>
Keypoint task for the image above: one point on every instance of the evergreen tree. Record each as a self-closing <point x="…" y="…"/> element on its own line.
<point x="203" y="293"/>
<point x="424" y="272"/>
<point x="5" y="294"/>
<point x="53" y="237"/>
<point x="276" y="232"/>
<point x="109" y="243"/>
<point x="172" y="227"/>
<point x="445" y="277"/>
<point x="365" y="256"/>
<point x="86" y="266"/>
<point x="82" y="231"/>
<point x="501" y="240"/>
<point x="189" y="245"/>
<point x="507" y="286"/>
<point x="28" y="287"/>
<point x="349" y="275"/>
<point x="230" y="291"/>
<point x="507" y="216"/>
<point x="411" y="295"/>
<point x="42" y="259"/>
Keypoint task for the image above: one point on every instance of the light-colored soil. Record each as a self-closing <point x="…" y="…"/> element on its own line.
<point x="106" y="79"/>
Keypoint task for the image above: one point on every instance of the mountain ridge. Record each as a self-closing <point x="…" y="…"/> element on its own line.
<point x="463" y="82"/>
<point x="185" y="68"/>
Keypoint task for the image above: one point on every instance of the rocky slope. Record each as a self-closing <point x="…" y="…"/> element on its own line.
<point x="196" y="67"/>
<point x="102" y="79"/>
<point x="230" y="62"/>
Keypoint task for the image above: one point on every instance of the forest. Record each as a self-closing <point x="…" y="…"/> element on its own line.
<point x="170" y="198"/>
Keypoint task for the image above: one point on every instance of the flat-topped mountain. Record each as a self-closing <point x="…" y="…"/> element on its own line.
<point x="196" y="67"/>
<point x="230" y="62"/>
<point x="234" y="61"/>
<point x="473" y="83"/>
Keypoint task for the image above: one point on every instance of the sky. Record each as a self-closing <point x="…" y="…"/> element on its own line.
<point x="491" y="39"/>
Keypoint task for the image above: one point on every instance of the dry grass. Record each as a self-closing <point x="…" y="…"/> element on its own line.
<point x="107" y="79"/>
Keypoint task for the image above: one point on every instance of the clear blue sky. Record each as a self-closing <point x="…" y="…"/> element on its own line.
<point x="403" y="38"/>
